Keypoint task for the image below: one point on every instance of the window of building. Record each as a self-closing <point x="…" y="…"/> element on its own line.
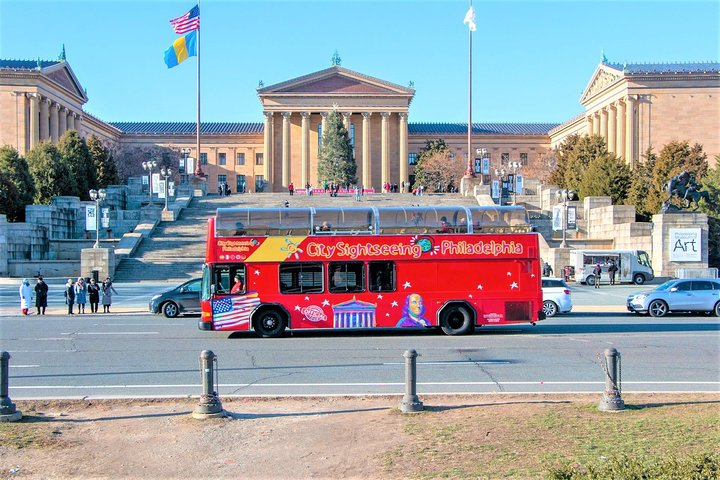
<point x="524" y="158"/>
<point x="240" y="159"/>
<point x="504" y="158"/>
<point x="346" y="277"/>
<point x="259" y="183"/>
<point x="259" y="159"/>
<point x="241" y="185"/>
<point x="412" y="158"/>
<point x="222" y="179"/>
<point x="301" y="278"/>
<point x="381" y="276"/>
<point x="222" y="159"/>
<point x="203" y="159"/>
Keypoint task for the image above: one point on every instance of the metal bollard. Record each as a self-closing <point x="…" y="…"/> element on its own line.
<point x="209" y="406"/>
<point x="8" y="412"/>
<point x="410" y="402"/>
<point x="611" y="400"/>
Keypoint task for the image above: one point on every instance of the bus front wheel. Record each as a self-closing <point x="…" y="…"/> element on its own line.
<point x="269" y="324"/>
<point x="457" y="320"/>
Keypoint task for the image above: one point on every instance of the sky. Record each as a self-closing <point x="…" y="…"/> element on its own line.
<point x="531" y="60"/>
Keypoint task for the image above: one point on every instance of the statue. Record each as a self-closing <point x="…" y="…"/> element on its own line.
<point x="683" y="186"/>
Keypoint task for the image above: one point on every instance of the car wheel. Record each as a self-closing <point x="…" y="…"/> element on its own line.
<point x="457" y="321"/>
<point x="657" y="308"/>
<point x="269" y="324"/>
<point x="639" y="279"/>
<point x="550" y="308"/>
<point x="717" y="309"/>
<point x="170" y="310"/>
<point x="590" y="280"/>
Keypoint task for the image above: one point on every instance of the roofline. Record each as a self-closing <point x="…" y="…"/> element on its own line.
<point x="327" y="72"/>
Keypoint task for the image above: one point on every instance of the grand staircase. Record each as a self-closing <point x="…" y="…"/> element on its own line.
<point x="176" y="250"/>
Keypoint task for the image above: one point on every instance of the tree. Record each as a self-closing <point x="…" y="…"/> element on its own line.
<point x="436" y="166"/>
<point x="77" y="157"/>
<point x="9" y="205"/>
<point x="711" y="183"/>
<point x="51" y="174"/>
<point x="606" y="175"/>
<point x="639" y="193"/>
<point x="562" y="154"/>
<point x="335" y="160"/>
<point x="584" y="151"/>
<point x="674" y="158"/>
<point x="17" y="172"/>
<point x="103" y="163"/>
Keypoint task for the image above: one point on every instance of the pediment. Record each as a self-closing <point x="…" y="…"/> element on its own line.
<point x="335" y="80"/>
<point x="62" y="74"/>
<point x="603" y="77"/>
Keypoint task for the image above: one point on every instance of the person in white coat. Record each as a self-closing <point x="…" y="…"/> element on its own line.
<point x="25" y="296"/>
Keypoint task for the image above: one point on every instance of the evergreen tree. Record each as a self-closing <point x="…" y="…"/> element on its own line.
<point x="606" y="175"/>
<point x="51" y="174"/>
<point x="16" y="171"/>
<point x="640" y="186"/>
<point x="674" y="158"/>
<point x="9" y="206"/>
<point x="584" y="151"/>
<point x="335" y="160"/>
<point x="77" y="157"/>
<point x="562" y="154"/>
<point x="711" y="184"/>
<point x="103" y="164"/>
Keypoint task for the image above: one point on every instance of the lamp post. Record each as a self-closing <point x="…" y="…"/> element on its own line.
<point x="501" y="176"/>
<point x="149" y="166"/>
<point x="564" y="196"/>
<point x="97" y="196"/>
<point x="185" y="153"/>
<point x="515" y="166"/>
<point x="166" y="173"/>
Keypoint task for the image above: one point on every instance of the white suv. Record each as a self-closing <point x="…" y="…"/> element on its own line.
<point x="556" y="296"/>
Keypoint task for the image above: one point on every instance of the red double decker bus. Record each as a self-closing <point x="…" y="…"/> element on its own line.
<point x="456" y="268"/>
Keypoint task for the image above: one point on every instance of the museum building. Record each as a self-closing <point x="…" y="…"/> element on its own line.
<point x="633" y="106"/>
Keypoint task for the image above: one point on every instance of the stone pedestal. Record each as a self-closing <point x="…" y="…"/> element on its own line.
<point x="468" y="184"/>
<point x="665" y="248"/>
<point x="199" y="185"/>
<point x="100" y="259"/>
<point x="168" y="216"/>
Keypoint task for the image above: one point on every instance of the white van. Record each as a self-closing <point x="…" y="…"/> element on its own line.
<point x="633" y="265"/>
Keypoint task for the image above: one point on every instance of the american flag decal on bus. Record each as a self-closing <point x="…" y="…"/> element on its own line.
<point x="234" y="311"/>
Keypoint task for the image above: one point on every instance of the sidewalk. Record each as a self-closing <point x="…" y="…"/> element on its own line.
<point x="57" y="311"/>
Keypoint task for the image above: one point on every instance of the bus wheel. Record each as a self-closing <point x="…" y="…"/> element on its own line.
<point x="269" y="324"/>
<point x="639" y="279"/>
<point x="457" y="320"/>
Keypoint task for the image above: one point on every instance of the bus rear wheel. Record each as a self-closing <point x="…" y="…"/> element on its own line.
<point x="270" y="324"/>
<point x="457" y="320"/>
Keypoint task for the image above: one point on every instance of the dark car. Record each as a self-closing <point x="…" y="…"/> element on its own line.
<point x="184" y="298"/>
<point x="681" y="295"/>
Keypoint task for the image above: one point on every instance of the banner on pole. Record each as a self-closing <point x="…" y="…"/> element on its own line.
<point x="572" y="218"/>
<point x="155" y="182"/>
<point x="105" y="217"/>
<point x="557" y="223"/>
<point x="161" y="190"/>
<point x="90" y="217"/>
<point x="486" y="166"/>
<point x="495" y="189"/>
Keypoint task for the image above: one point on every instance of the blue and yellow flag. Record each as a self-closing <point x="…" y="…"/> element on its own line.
<point x="181" y="49"/>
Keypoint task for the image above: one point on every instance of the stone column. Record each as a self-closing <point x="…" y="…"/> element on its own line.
<point x="589" y="127"/>
<point x="366" y="156"/>
<point x="612" y="129"/>
<point x="305" y="149"/>
<point x="62" y="121"/>
<point x="54" y="107"/>
<point x="286" y="149"/>
<point x="630" y="132"/>
<point x="268" y="144"/>
<point x="71" y="120"/>
<point x="604" y="124"/>
<point x="620" y="135"/>
<point x="596" y="123"/>
<point x="324" y="125"/>
<point x="385" y="148"/>
<point x="34" y="119"/>
<point x="403" y="148"/>
<point x="346" y="121"/>
<point x="21" y="122"/>
<point x="45" y="119"/>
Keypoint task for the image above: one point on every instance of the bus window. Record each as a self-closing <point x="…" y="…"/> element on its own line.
<point x="346" y="277"/>
<point x="224" y="279"/>
<point x="301" y="278"/>
<point x="382" y="276"/>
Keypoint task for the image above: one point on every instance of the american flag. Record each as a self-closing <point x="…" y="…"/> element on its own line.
<point x="188" y="22"/>
<point x="233" y="311"/>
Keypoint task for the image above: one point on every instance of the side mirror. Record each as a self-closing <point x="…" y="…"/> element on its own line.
<point x="183" y="290"/>
<point x="674" y="289"/>
<point x="212" y="289"/>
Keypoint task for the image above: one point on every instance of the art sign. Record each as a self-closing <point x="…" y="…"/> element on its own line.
<point x="685" y="244"/>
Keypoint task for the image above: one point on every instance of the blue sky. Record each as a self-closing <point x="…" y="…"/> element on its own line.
<point x="531" y="59"/>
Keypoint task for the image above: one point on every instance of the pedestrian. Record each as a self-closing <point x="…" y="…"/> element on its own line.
<point x="69" y="295"/>
<point x="597" y="271"/>
<point x="107" y="293"/>
<point x="357" y="193"/>
<point x="612" y="269"/>
<point x="547" y="270"/>
<point x="25" y="295"/>
<point x="41" y="294"/>
<point x="93" y="290"/>
<point x="291" y="188"/>
<point x="81" y="291"/>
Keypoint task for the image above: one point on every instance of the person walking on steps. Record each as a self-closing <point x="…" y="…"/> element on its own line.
<point x="597" y="271"/>
<point x="70" y="295"/>
<point x="93" y="295"/>
<point x="25" y="295"/>
<point x="41" y="294"/>
<point x="107" y="293"/>
<point x="81" y="294"/>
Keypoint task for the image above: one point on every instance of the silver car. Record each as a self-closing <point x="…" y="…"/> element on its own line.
<point x="681" y="295"/>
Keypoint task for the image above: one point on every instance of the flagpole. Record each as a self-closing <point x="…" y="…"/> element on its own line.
<point x="469" y="172"/>
<point x="198" y="168"/>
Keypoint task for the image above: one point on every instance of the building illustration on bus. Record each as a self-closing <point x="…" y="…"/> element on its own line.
<point x="456" y="268"/>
